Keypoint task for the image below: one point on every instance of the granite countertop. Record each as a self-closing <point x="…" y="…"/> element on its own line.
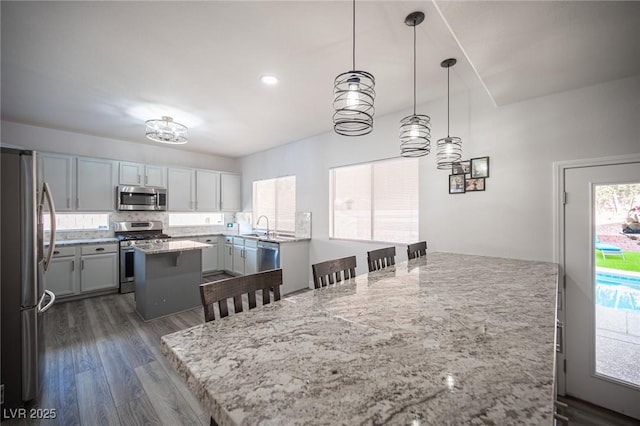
<point x="82" y="242"/>
<point x="198" y="235"/>
<point x="277" y="239"/>
<point x="442" y="339"/>
<point x="171" y="246"/>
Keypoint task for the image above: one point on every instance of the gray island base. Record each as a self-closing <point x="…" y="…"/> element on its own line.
<point x="168" y="276"/>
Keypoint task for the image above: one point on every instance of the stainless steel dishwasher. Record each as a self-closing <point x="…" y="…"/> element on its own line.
<point x="268" y="256"/>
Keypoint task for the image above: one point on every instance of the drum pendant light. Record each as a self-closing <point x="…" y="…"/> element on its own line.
<point x="449" y="148"/>
<point x="415" y="130"/>
<point x="353" y="98"/>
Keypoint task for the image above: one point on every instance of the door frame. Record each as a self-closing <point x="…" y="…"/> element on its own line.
<point x="558" y="202"/>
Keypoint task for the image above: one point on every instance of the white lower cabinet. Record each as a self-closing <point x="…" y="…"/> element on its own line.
<point x="83" y="269"/>
<point x="228" y="254"/>
<point x="250" y="256"/>
<point x="242" y="256"/>
<point x="98" y="272"/>
<point x="210" y="254"/>
<point x="61" y="275"/>
<point x="238" y="256"/>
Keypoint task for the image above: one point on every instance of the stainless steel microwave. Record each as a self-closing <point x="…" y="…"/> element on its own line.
<point x="137" y="198"/>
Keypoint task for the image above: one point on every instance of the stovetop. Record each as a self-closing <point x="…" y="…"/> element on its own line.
<point x="131" y="233"/>
<point x="141" y="236"/>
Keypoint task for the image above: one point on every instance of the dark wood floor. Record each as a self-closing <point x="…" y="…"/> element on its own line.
<point x="104" y="366"/>
<point x="585" y="414"/>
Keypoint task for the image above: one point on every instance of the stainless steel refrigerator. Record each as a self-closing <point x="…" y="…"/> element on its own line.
<point x="24" y="299"/>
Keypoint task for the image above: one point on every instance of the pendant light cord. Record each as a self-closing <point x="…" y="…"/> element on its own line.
<point x="448" y="69"/>
<point x="414" y="68"/>
<point x="354" y="35"/>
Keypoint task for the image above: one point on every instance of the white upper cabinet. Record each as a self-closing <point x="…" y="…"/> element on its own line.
<point x="137" y="174"/>
<point x="207" y="189"/>
<point x="155" y="176"/>
<point x="230" y="192"/>
<point x="131" y="173"/>
<point x="57" y="171"/>
<point x="181" y="190"/>
<point x="79" y="184"/>
<point x="89" y="184"/>
<point x="96" y="182"/>
<point x="193" y="190"/>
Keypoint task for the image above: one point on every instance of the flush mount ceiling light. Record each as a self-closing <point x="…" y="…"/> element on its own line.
<point x="353" y="98"/>
<point x="449" y="148"/>
<point x="165" y="130"/>
<point x="269" y="79"/>
<point x="415" y="129"/>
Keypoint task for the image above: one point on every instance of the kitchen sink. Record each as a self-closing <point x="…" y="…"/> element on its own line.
<point x="252" y="235"/>
<point x="264" y="237"/>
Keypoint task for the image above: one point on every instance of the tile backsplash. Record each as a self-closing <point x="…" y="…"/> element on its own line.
<point x="142" y="216"/>
<point x="303" y="224"/>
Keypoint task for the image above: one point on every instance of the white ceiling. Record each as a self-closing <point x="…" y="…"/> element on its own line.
<point x="103" y="68"/>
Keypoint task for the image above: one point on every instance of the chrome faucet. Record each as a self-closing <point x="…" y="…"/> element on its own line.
<point x="258" y="222"/>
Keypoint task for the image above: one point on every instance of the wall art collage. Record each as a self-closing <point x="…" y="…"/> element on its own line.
<point x="469" y="175"/>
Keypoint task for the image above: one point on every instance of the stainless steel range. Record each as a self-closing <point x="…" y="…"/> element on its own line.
<point x="130" y="234"/>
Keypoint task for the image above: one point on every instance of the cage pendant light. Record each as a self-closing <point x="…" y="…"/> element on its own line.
<point x="449" y="149"/>
<point x="354" y="95"/>
<point x="415" y="129"/>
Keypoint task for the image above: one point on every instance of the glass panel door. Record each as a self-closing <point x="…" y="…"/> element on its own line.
<point x="617" y="282"/>
<point x="602" y="339"/>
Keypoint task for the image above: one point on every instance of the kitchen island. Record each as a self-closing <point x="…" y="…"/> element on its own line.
<point x="168" y="276"/>
<point x="443" y="339"/>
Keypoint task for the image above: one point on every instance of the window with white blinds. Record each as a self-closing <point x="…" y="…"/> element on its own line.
<point x="275" y="199"/>
<point x="375" y="201"/>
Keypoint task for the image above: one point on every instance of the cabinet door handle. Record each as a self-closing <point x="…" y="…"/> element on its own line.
<point x="100" y="249"/>
<point x="68" y="202"/>
<point x="73" y="265"/>
<point x="146" y="180"/>
<point x="56" y="252"/>
<point x="196" y="205"/>
<point x="77" y="202"/>
<point x="138" y="178"/>
<point x="82" y="264"/>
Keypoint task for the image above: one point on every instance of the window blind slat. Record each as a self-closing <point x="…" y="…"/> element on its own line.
<point x="275" y="199"/>
<point x="376" y="201"/>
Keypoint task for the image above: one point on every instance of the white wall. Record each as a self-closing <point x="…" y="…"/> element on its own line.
<point x="513" y="218"/>
<point x="44" y="139"/>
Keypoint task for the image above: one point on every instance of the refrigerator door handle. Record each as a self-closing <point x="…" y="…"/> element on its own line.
<point x="46" y="192"/>
<point x="52" y="295"/>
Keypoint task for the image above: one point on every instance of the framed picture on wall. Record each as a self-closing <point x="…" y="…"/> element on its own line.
<point x="456" y="184"/>
<point x="480" y="167"/>
<point x="461" y="167"/>
<point x="474" y="184"/>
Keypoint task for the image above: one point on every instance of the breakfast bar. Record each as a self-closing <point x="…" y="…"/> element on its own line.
<point x="443" y="339"/>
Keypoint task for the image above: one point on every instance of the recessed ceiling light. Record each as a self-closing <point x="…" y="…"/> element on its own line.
<point x="269" y="79"/>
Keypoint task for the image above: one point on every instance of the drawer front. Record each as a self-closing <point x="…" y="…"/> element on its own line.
<point x="208" y="240"/>
<point x="250" y="242"/>
<point x="99" y="249"/>
<point x="238" y="241"/>
<point x="63" y="251"/>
